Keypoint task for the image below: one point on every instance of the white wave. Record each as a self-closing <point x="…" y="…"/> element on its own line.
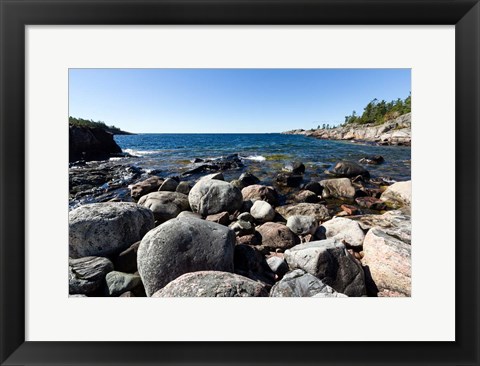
<point x="140" y="152"/>
<point x="255" y="158"/>
<point x="115" y="159"/>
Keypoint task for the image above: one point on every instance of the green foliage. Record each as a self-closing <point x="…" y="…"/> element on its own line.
<point x="94" y="124"/>
<point x="379" y="112"/>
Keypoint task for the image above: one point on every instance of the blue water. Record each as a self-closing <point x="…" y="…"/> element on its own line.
<point x="263" y="154"/>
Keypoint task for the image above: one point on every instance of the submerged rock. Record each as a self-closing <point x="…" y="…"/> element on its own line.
<point x="373" y="159"/>
<point x="295" y="167"/>
<point x="289" y="179"/>
<point x="101" y="229"/>
<point x="181" y="246"/>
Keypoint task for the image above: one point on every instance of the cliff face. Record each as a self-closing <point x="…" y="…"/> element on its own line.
<point x="91" y="144"/>
<point x="393" y="132"/>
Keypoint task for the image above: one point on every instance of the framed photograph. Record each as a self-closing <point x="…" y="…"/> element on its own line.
<point x="239" y="177"/>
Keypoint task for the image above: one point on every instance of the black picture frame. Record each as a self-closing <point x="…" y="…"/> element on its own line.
<point x="16" y="14"/>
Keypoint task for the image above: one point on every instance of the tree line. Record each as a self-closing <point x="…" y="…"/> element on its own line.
<point x="379" y="112"/>
<point x="80" y="122"/>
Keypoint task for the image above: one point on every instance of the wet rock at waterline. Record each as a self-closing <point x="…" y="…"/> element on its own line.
<point x="338" y="188"/>
<point x="349" y="169"/>
<point x="144" y="187"/>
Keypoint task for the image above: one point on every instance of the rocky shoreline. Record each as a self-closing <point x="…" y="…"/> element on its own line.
<point x="147" y="235"/>
<point x="394" y="132"/>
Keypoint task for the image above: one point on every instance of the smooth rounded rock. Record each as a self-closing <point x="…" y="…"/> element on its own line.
<point x="165" y="205"/>
<point x="101" y="229"/>
<point x="213" y="196"/>
<point x="262" y="211"/>
<point x="181" y="246"/>
<point x="398" y="194"/>
<point x="183" y="187"/>
<point x="212" y="284"/>
<point x="142" y="188"/>
<point x="349" y="169"/>
<point x="120" y="282"/>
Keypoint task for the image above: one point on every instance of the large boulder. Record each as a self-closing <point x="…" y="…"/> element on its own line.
<point x="165" y="205"/>
<point x="302" y="225"/>
<point x="316" y="210"/>
<point x="299" y="283"/>
<point x="329" y="261"/>
<point x="212" y="284"/>
<point x="101" y="229"/>
<point x="86" y="143"/>
<point x="339" y="188"/>
<point x="212" y="196"/>
<point x="258" y="192"/>
<point x="276" y="237"/>
<point x="87" y="274"/>
<point x="349" y="169"/>
<point x="388" y="261"/>
<point x="262" y="211"/>
<point x="144" y="187"/>
<point x="343" y="230"/>
<point x="398" y="194"/>
<point x="181" y="246"/>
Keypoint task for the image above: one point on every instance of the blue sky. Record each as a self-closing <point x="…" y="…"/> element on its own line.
<point x="228" y="100"/>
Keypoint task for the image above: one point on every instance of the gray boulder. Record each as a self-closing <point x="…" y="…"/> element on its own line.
<point x="101" y="229"/>
<point x="169" y="185"/>
<point x="181" y="246"/>
<point x="329" y="261"/>
<point x="317" y="210"/>
<point x="302" y="225"/>
<point x="339" y="188"/>
<point x="248" y="179"/>
<point x="212" y="284"/>
<point x="262" y="211"/>
<point x="343" y="230"/>
<point x="87" y="274"/>
<point x="299" y="283"/>
<point x="120" y="282"/>
<point x="277" y="265"/>
<point x="212" y="196"/>
<point x="165" y="205"/>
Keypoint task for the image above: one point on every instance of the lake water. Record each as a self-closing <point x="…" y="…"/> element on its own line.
<point x="263" y="154"/>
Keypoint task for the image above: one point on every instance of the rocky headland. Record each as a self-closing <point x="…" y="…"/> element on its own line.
<point x="393" y="132"/>
<point x="200" y="235"/>
<point x="87" y="143"/>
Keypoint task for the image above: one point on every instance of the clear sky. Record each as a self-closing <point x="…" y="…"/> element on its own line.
<point x="228" y="100"/>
